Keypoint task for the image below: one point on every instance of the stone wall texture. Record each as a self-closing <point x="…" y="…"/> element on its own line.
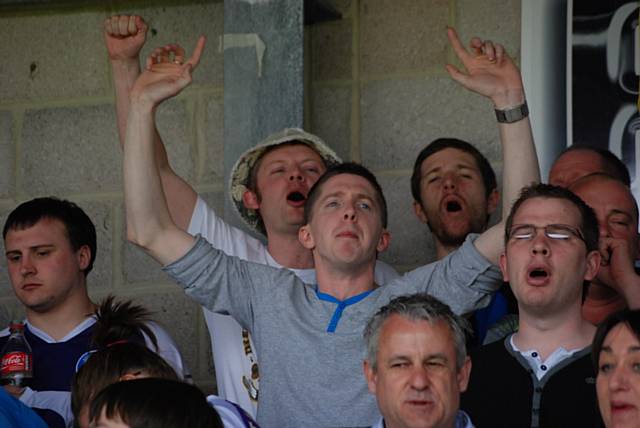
<point x="376" y="90"/>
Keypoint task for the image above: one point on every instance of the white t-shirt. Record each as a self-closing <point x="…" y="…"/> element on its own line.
<point x="230" y="414"/>
<point x="234" y="354"/>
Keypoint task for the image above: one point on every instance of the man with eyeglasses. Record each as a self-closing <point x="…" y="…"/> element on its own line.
<point x="542" y="375"/>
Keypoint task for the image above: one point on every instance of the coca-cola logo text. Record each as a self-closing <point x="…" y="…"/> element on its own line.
<point x="15" y="362"/>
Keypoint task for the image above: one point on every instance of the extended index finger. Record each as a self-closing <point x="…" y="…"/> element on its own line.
<point x="197" y="52"/>
<point x="460" y="51"/>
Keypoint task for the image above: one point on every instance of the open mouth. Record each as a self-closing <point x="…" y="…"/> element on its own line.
<point x="538" y="273"/>
<point x="453" y="206"/>
<point x="296" y="197"/>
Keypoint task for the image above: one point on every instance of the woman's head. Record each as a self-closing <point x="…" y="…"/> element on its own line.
<point x="616" y="355"/>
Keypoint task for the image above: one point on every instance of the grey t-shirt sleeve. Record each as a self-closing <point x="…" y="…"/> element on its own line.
<point x="224" y="284"/>
<point x="464" y="280"/>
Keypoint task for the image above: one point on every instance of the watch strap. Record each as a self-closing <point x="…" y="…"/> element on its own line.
<point x="514" y="114"/>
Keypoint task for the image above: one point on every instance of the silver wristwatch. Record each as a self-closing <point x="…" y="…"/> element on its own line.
<point x="513" y="114"/>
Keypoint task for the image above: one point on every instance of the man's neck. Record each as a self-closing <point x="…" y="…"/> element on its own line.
<point x="61" y="320"/>
<point x="600" y="293"/>
<point x="345" y="282"/>
<point x="601" y="301"/>
<point x="287" y="250"/>
<point x="547" y="333"/>
<point x="443" y="250"/>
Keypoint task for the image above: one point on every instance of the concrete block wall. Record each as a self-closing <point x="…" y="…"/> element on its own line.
<point x="376" y="91"/>
<point x="379" y="92"/>
<point x="58" y="136"/>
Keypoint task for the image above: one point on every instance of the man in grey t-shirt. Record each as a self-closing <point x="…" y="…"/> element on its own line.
<point x="309" y="336"/>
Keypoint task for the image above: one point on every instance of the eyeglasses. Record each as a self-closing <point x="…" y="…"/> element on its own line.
<point x="556" y="232"/>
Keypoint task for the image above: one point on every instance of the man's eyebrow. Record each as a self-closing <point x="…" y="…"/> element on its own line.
<point x="617" y="211"/>
<point x="339" y="193"/>
<point x="305" y="160"/>
<point x="365" y="196"/>
<point x="312" y="159"/>
<point x="335" y="194"/>
<point x="464" y="166"/>
<point x="458" y="166"/>
<point x="437" y="356"/>
<point x="274" y="161"/>
<point x="33" y="247"/>
<point x="394" y="357"/>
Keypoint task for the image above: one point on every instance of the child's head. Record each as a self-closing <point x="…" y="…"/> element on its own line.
<point x="122" y="361"/>
<point x="118" y="354"/>
<point x="160" y="403"/>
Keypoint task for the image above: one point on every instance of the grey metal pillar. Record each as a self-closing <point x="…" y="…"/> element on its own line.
<point x="263" y="75"/>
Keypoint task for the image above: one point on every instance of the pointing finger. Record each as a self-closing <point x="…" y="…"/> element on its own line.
<point x="197" y="52"/>
<point x="460" y="51"/>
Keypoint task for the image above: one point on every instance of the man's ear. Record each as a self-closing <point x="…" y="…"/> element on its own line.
<point x="306" y="237"/>
<point x="492" y="201"/>
<point x="370" y="376"/>
<point x="593" y="265"/>
<point x="463" y="375"/>
<point x="250" y="200"/>
<point x="384" y="241"/>
<point x="84" y="257"/>
<point x="419" y="211"/>
<point x="503" y="266"/>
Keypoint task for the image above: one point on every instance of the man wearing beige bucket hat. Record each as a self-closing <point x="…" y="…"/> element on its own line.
<point x="268" y="187"/>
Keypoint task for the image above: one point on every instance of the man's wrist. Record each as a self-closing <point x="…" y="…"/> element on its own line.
<point x="140" y="104"/>
<point x="126" y="64"/>
<point x="513" y="114"/>
<point x="508" y="98"/>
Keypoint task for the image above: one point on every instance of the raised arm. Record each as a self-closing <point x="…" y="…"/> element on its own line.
<point x="489" y="71"/>
<point x="124" y="37"/>
<point x="149" y="223"/>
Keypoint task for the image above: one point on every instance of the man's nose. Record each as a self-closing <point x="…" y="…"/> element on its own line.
<point x="349" y="212"/>
<point x="604" y="230"/>
<point x="450" y="181"/>
<point x="419" y="378"/>
<point x="540" y="244"/>
<point x="296" y="175"/>
<point x="26" y="266"/>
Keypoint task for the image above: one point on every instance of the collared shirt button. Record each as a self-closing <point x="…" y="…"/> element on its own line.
<point x="534" y="354"/>
<point x="543" y="367"/>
